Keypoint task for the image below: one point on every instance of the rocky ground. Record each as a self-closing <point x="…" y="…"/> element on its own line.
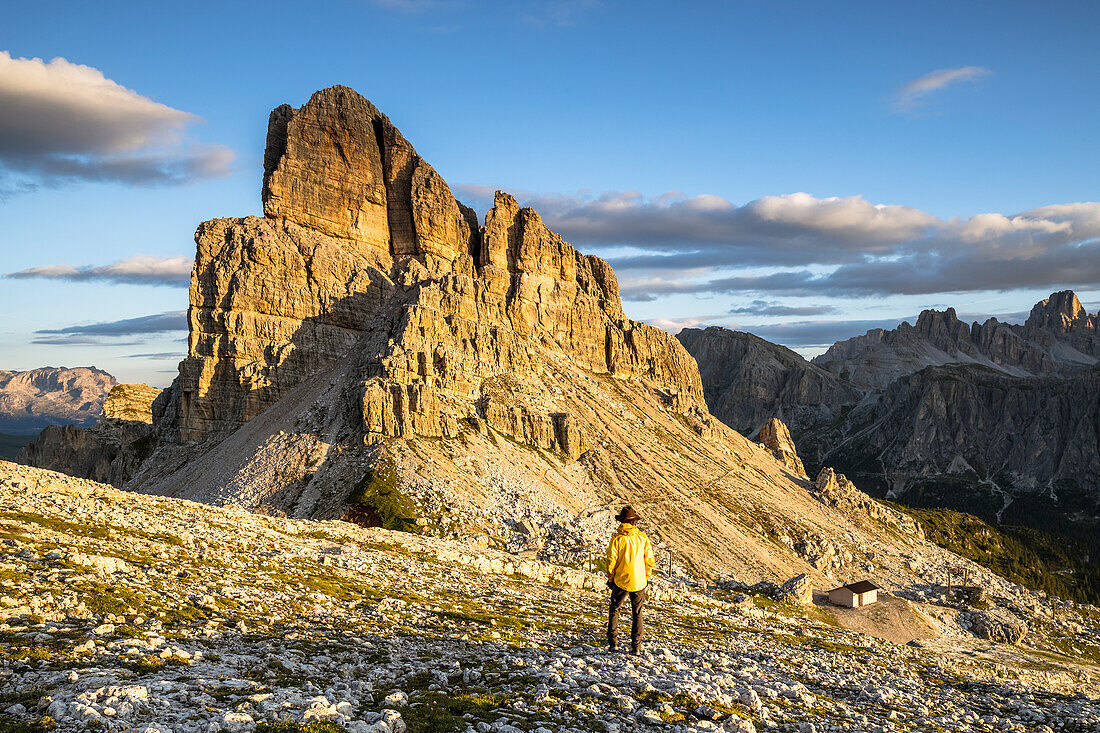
<point x="129" y="612"/>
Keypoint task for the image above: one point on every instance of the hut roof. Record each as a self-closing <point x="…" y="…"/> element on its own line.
<point x="861" y="586"/>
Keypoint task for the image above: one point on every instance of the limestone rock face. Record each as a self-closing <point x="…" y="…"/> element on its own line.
<point x="323" y="168"/>
<point x="32" y="399"/>
<point x="363" y="245"/>
<point x="270" y="305"/>
<point x="967" y="428"/>
<point x="775" y="437"/>
<point x="132" y="402"/>
<point x="998" y="626"/>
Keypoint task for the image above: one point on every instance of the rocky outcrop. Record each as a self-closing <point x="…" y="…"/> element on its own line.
<point x="998" y="626"/>
<point x="775" y="437"/>
<point x="747" y="381"/>
<point x="1058" y="338"/>
<point x="110" y="451"/>
<point x="363" y="239"/>
<point x="33" y="399"/>
<point x="836" y="490"/>
<point x="130" y="403"/>
<point x="797" y="590"/>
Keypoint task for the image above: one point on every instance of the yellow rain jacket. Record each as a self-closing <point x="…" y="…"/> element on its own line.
<point x="629" y="558"/>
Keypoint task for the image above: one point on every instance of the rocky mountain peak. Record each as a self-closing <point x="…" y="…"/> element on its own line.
<point x="1059" y="337"/>
<point x="337" y="166"/>
<point x="1060" y="312"/>
<point x="942" y="327"/>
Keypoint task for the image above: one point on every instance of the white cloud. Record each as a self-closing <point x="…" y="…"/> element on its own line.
<point x="63" y="121"/>
<point x="914" y="94"/>
<point x="139" y="270"/>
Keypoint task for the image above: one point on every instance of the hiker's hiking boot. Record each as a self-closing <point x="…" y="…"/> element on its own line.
<point x="635" y="651"/>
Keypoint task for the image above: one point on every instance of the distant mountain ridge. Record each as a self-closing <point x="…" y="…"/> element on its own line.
<point x="30" y="400"/>
<point x="995" y="419"/>
<point x="1059" y="337"/>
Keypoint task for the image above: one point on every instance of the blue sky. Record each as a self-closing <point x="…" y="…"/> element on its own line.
<point x="934" y="142"/>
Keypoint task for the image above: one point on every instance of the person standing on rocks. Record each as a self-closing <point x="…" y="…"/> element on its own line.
<point x="629" y="565"/>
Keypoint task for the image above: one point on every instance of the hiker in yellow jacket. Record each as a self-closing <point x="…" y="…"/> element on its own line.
<point x="629" y="565"/>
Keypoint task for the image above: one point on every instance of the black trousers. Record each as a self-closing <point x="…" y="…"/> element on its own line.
<point x="637" y="626"/>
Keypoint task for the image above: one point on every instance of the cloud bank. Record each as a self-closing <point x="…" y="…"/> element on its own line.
<point x="914" y="94"/>
<point x="139" y="270"/>
<point x="835" y="246"/>
<point x="61" y="121"/>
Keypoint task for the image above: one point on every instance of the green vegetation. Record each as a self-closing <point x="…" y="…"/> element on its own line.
<point x="377" y="502"/>
<point x="437" y="712"/>
<point x="42" y="725"/>
<point x="58" y="525"/>
<point x="146" y="665"/>
<point x="103" y="599"/>
<point x="1057" y="565"/>
<point x="286" y="726"/>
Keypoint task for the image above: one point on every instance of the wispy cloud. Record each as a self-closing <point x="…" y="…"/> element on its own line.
<point x="95" y="333"/>
<point x="139" y="270"/>
<point x="61" y="121"/>
<point x="914" y="94"/>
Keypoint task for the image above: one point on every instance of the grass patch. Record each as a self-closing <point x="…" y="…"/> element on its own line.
<point x="102" y="599"/>
<point x="287" y="726"/>
<point x="58" y="525"/>
<point x="145" y="665"/>
<point x="436" y="712"/>
<point x="376" y="501"/>
<point x="10" y="725"/>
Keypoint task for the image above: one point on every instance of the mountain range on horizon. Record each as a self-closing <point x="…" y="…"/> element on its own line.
<point x="997" y="420"/>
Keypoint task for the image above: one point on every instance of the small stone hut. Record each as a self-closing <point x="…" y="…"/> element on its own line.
<point x="855" y="595"/>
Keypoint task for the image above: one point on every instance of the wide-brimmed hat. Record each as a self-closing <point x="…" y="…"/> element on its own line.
<point x="627" y="516"/>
